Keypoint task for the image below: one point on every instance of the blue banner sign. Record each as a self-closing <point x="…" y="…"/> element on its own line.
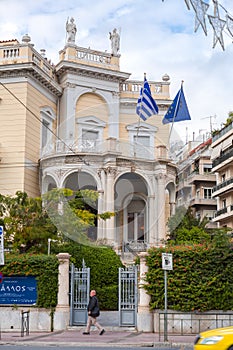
<point x="18" y="291"/>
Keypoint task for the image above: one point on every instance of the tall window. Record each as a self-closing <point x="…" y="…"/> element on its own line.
<point x="142" y="140"/>
<point x="136" y="227"/>
<point x="90" y="132"/>
<point x="45" y="132"/>
<point x="89" y="139"/>
<point x="47" y="118"/>
<point x="207" y="193"/>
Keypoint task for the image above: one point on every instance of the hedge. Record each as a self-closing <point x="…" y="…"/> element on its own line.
<point x="104" y="264"/>
<point x="43" y="267"/>
<point x="201" y="279"/>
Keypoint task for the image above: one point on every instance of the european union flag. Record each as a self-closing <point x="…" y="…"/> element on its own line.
<point x="146" y="106"/>
<point x="178" y="110"/>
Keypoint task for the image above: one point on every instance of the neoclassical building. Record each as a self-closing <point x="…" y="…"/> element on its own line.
<point x="74" y="125"/>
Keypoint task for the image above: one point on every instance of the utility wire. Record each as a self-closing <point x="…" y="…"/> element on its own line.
<point x="34" y="115"/>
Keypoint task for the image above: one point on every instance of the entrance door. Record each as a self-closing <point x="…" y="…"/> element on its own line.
<point x="79" y="295"/>
<point x="136" y="227"/>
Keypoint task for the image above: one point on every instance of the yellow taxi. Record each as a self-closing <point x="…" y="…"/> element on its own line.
<point x="215" y="339"/>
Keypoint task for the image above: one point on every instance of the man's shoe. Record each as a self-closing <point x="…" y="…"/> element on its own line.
<point x="102" y="332"/>
<point x="86" y="332"/>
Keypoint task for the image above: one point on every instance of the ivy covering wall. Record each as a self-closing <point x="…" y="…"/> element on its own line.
<point x="103" y="263"/>
<point x="201" y="279"/>
<point x="43" y="267"/>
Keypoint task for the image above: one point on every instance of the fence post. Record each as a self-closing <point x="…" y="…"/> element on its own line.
<point x="61" y="316"/>
<point x="24" y="322"/>
<point x="145" y="316"/>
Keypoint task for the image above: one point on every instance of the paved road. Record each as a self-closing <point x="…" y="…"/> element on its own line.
<point x="65" y="347"/>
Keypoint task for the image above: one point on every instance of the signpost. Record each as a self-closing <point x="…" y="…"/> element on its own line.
<point x="167" y="264"/>
<point x="1" y="246"/>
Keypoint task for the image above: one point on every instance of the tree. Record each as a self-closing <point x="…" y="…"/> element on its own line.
<point x="184" y="227"/>
<point x="73" y="212"/>
<point x="26" y="224"/>
<point x="59" y="214"/>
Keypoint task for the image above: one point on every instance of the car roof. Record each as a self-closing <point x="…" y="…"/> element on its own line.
<point x="219" y="331"/>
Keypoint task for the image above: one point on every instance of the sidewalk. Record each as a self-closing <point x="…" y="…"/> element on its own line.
<point x="74" y="337"/>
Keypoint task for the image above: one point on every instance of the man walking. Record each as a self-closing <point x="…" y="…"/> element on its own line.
<point x="93" y="313"/>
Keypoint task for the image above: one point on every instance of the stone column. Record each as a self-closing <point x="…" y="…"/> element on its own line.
<point x="172" y="208"/>
<point x="161" y="228"/>
<point x="145" y="316"/>
<point x="152" y="218"/>
<point x="109" y="191"/>
<point x="61" y="317"/>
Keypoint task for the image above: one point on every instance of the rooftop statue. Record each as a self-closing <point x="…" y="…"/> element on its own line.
<point x="71" y="30"/>
<point x="115" y="41"/>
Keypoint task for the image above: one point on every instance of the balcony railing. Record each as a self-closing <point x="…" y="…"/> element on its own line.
<point x="121" y="148"/>
<point x="222" y="132"/>
<point x="93" y="56"/>
<point x="27" y="54"/>
<point x="223" y="184"/>
<point x="222" y="158"/>
<point x="223" y="211"/>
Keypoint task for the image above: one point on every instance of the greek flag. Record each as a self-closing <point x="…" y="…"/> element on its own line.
<point x="146" y="106"/>
<point x="178" y="110"/>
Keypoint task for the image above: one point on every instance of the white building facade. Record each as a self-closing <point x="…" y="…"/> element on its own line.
<point x="90" y="137"/>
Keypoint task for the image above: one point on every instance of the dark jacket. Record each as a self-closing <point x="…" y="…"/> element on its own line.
<point x="93" y="307"/>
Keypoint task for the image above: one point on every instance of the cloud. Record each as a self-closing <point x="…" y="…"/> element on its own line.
<point x="156" y="37"/>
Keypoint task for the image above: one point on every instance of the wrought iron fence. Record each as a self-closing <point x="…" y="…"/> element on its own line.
<point x="193" y="323"/>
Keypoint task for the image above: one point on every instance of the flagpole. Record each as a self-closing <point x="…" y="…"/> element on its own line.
<point x="139" y="118"/>
<point x="174" y="116"/>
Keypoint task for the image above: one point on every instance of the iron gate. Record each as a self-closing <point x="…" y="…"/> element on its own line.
<point x="79" y="295"/>
<point x="128" y="296"/>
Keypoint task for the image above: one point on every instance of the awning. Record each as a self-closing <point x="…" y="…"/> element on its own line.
<point x="227" y="143"/>
<point x="216" y="151"/>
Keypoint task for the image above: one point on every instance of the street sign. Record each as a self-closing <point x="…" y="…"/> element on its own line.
<point x="167" y="263"/>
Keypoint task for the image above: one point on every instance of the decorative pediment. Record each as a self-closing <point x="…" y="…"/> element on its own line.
<point x="141" y="127"/>
<point x="91" y="120"/>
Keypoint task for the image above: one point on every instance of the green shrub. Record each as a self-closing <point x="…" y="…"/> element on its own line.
<point x="201" y="279"/>
<point x="104" y="264"/>
<point x="43" y="267"/>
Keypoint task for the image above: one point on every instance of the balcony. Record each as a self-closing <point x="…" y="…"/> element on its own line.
<point x="183" y="183"/>
<point x="222" y="132"/>
<point x="196" y="177"/>
<point x="25" y="53"/>
<point x="223" y="157"/>
<point x="203" y="201"/>
<point x="224" y="213"/>
<point x="222" y="186"/>
<point x="99" y="147"/>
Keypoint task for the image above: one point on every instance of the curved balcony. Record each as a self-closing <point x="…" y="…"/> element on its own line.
<point x="100" y="147"/>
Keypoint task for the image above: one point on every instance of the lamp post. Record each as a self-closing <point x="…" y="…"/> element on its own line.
<point x="49" y="244"/>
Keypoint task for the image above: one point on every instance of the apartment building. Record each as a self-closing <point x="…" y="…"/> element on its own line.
<point x="196" y="180"/>
<point x="74" y="125"/>
<point x="222" y="157"/>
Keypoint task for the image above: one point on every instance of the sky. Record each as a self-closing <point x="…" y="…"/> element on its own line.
<point x="157" y="37"/>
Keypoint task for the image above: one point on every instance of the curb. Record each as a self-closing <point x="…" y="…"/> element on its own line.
<point x="181" y="346"/>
